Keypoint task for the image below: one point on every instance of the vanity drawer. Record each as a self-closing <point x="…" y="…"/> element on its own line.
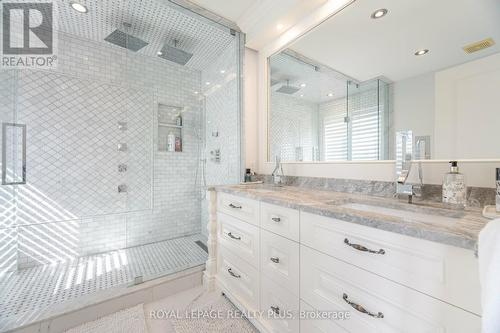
<point x="239" y="237"/>
<point x="239" y="278"/>
<point x="329" y="284"/>
<point x="280" y="220"/>
<point x="280" y="307"/>
<point x="243" y="208"/>
<point x="445" y="272"/>
<point x="280" y="260"/>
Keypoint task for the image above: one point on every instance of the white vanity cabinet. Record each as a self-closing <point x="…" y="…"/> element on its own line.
<point x="281" y="260"/>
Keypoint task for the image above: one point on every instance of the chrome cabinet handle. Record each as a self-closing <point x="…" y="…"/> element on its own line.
<point x="276" y="260"/>
<point x="275" y="309"/>
<point x="233" y="237"/>
<point x="234" y="206"/>
<point x="362" y="248"/>
<point x="276" y="219"/>
<point x="362" y="309"/>
<point x="4" y="153"/>
<point x="230" y="271"/>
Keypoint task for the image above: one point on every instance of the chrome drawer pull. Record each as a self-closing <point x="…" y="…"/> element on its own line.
<point x="229" y="270"/>
<point x="276" y="219"/>
<point x="275" y="309"/>
<point x="275" y="260"/>
<point x="234" y="206"/>
<point x="233" y="237"/>
<point x="362" y="248"/>
<point x="361" y="309"/>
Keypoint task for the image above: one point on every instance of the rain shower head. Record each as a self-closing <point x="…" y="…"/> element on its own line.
<point x="125" y="40"/>
<point x="174" y="54"/>
<point x="288" y="89"/>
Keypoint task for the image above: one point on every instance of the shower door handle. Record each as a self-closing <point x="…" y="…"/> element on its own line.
<point x="5" y="126"/>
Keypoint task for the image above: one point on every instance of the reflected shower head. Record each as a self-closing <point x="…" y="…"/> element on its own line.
<point x="288" y="89"/>
<point x="174" y="54"/>
<point x="125" y="40"/>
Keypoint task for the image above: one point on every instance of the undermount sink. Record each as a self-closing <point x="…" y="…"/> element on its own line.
<point x="401" y="213"/>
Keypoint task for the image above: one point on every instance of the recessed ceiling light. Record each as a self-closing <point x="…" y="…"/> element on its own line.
<point x="79" y="7"/>
<point x="421" y="52"/>
<point x="222" y="71"/>
<point x="303" y="85"/>
<point x="329" y="95"/>
<point x="379" y="13"/>
<point x="301" y="95"/>
<point x="159" y="53"/>
<point x="196" y="93"/>
<point x="207" y="83"/>
<point x="280" y="26"/>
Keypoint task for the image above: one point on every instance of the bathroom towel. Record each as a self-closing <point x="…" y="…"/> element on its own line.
<point x="489" y="274"/>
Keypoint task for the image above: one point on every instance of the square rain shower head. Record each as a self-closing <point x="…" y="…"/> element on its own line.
<point x="287" y="89"/>
<point x="125" y="40"/>
<point x="174" y="54"/>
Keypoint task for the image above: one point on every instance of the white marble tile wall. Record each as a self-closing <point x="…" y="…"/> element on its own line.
<point x="71" y="206"/>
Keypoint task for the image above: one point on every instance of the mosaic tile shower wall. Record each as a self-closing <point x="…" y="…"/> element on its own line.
<point x="71" y="205"/>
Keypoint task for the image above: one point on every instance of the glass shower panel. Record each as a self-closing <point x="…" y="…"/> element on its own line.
<point x="364" y="121"/>
<point x="334" y="121"/>
<point x="9" y="172"/>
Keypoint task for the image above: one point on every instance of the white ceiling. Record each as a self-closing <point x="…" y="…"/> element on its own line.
<point x="154" y="21"/>
<point x="259" y="19"/>
<point x="231" y="10"/>
<point x="360" y="47"/>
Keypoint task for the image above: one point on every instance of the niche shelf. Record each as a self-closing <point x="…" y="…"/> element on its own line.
<point x="168" y="116"/>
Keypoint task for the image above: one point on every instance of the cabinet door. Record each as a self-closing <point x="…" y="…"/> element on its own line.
<point x="280" y="308"/>
<point x="239" y="237"/>
<point x="444" y="272"/>
<point x="280" y="220"/>
<point x="242" y="208"/>
<point x="280" y="260"/>
<point x="376" y="305"/>
<point x="239" y="278"/>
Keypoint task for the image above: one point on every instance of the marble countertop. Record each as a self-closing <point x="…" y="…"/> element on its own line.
<point x="452" y="227"/>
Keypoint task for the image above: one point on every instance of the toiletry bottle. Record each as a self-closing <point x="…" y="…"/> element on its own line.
<point x="178" y="144"/>
<point x="498" y="190"/>
<point x="170" y="142"/>
<point x="454" y="188"/>
<point x="248" y="176"/>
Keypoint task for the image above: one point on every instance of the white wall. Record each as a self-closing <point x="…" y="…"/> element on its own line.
<point x="468" y="110"/>
<point x="479" y="172"/>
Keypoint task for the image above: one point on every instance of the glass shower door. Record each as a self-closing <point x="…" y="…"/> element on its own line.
<point x="13" y="170"/>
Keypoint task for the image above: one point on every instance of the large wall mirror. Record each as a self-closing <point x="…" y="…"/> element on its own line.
<point x="385" y="74"/>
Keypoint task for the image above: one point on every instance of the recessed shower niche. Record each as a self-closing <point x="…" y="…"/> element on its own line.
<point x="170" y="128"/>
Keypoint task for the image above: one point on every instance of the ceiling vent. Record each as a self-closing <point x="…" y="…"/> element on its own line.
<point x="478" y="46"/>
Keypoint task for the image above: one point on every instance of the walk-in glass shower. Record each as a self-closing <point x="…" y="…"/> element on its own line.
<point x="107" y="154"/>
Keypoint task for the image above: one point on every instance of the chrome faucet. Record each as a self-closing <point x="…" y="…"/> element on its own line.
<point x="404" y="163"/>
<point x="278" y="172"/>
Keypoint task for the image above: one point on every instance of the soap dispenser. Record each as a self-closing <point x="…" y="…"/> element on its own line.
<point x="454" y="188"/>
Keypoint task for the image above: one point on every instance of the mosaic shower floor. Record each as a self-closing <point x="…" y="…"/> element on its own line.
<point x="27" y="293"/>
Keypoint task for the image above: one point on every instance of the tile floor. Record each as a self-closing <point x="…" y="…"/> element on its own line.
<point x="27" y="293"/>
